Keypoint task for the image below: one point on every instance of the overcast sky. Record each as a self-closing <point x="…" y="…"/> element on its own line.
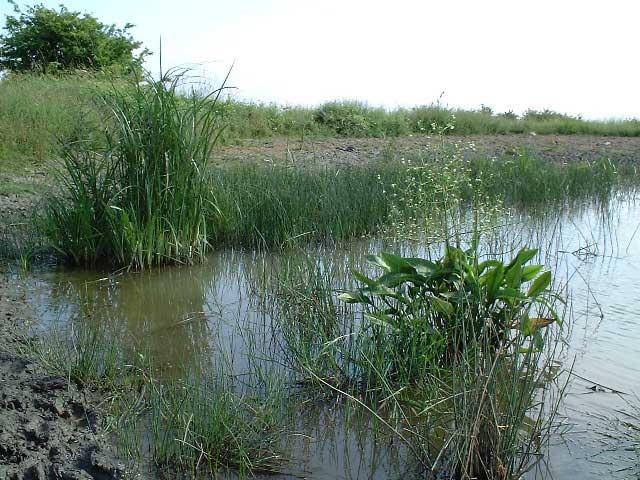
<point x="573" y="56"/>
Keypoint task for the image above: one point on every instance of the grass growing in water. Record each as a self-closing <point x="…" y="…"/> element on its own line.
<point x="451" y="355"/>
<point x="142" y="200"/>
<point x="281" y="205"/>
<point x="205" y="424"/>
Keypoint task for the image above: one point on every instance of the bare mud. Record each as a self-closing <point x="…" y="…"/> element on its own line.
<point x="356" y="151"/>
<point x="48" y="427"/>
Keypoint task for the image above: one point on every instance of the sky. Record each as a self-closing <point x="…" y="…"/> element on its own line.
<point x="573" y="56"/>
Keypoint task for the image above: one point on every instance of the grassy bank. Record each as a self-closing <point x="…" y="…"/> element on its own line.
<point x="37" y="110"/>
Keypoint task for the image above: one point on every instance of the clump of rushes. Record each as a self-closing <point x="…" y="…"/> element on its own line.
<point x="204" y="424"/>
<point x="142" y="199"/>
<point x="284" y="205"/>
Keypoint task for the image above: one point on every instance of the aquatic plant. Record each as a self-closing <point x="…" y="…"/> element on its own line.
<point x="458" y="346"/>
<point x="203" y="424"/>
<point x="142" y="199"/>
<point x="429" y="312"/>
<point x="282" y="205"/>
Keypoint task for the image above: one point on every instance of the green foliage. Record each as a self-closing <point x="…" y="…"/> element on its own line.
<point x="48" y="41"/>
<point x="348" y="119"/>
<point x="204" y="425"/>
<point x="141" y="200"/>
<point x="526" y="182"/>
<point x="428" y="313"/>
<point x="545" y="115"/>
<point x="283" y="205"/>
<point x="37" y="109"/>
<point x="356" y="119"/>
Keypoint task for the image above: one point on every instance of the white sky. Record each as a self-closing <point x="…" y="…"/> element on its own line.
<point x="572" y="56"/>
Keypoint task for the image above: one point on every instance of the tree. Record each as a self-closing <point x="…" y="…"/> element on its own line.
<point x="49" y="41"/>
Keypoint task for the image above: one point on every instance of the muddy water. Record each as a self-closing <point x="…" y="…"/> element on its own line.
<point x="198" y="315"/>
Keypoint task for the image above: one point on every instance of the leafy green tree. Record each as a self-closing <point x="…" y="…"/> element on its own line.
<point x="49" y="41"/>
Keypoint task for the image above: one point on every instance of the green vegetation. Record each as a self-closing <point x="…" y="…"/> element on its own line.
<point x="58" y="107"/>
<point x="48" y="41"/>
<point x="453" y="356"/>
<point x="200" y="421"/>
<point x="356" y="119"/>
<point x="140" y="200"/>
<point x="215" y="427"/>
<point x="430" y="312"/>
<point x="142" y="193"/>
<point x="460" y="328"/>
<point x="59" y="104"/>
<point x="281" y="206"/>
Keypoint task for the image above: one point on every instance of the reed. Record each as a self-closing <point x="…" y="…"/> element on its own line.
<point x="141" y="200"/>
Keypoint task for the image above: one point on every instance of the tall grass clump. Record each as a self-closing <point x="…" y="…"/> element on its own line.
<point x="142" y="199"/>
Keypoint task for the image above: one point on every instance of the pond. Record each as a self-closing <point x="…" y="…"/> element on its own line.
<point x="222" y="313"/>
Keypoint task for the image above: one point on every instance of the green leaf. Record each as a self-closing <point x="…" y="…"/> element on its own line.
<point x="394" y="279"/>
<point x="421" y="265"/>
<point x="530" y="271"/>
<point x="493" y="280"/>
<point x="523" y="257"/>
<point x="539" y="285"/>
<point x="381" y="291"/>
<point x="514" y="276"/>
<point x="363" y="278"/>
<point x="509" y="293"/>
<point x="441" y="305"/>
<point x="396" y="263"/>
<point x="552" y="311"/>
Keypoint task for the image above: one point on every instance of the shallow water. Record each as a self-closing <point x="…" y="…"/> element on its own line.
<point x="198" y="315"/>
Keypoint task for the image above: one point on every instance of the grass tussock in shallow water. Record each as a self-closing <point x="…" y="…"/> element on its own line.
<point x="454" y="356"/>
<point x="141" y="200"/>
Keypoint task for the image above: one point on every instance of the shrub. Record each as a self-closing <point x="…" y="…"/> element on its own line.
<point x="347" y="119"/>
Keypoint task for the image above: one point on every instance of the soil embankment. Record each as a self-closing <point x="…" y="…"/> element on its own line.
<point x="355" y="151"/>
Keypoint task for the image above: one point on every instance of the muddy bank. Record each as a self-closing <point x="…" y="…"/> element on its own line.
<point x="48" y="428"/>
<point x="355" y="151"/>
